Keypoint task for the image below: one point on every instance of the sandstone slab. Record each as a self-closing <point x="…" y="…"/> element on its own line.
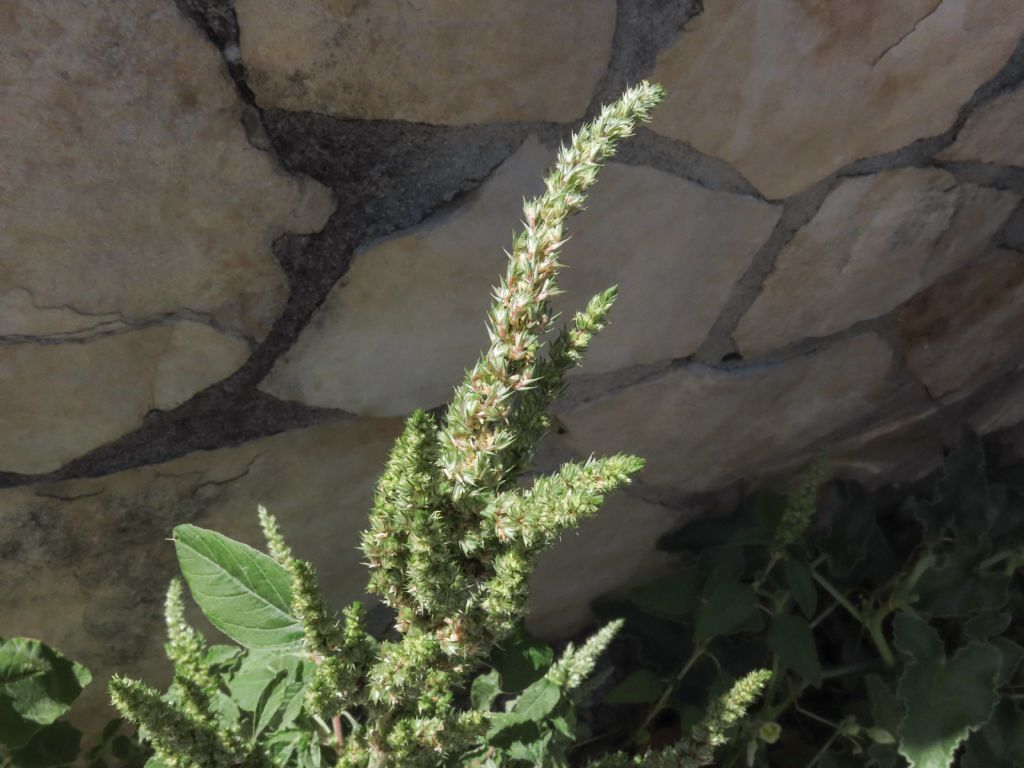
<point x="103" y="546"/>
<point x="129" y="189"/>
<point x="62" y="400"/>
<point x="967" y="328"/>
<point x="434" y="61"/>
<point x="875" y="242"/>
<point x="1004" y="411"/>
<point x="408" y="318"/>
<point x="790" y="91"/>
<point x="992" y="134"/>
<point x="701" y="428"/>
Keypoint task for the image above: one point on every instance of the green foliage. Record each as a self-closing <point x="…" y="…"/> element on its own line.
<point x="37" y="688"/>
<point x="894" y="631"/>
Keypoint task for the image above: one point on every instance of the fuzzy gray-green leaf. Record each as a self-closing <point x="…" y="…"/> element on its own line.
<point x="243" y="592"/>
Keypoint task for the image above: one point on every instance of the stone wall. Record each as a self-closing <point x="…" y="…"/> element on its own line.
<point x="240" y="239"/>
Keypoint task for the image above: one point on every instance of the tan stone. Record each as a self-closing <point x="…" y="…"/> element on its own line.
<point x="791" y="90"/>
<point x="901" y="450"/>
<point x="1004" y="411"/>
<point x="993" y="134"/>
<point x="61" y="400"/>
<point x="611" y="551"/>
<point x="408" y="318"/>
<point x="102" y="544"/>
<point x="701" y="428"/>
<point x="874" y="243"/>
<point x="433" y="61"/>
<point x="129" y="189"/>
<point x="968" y="327"/>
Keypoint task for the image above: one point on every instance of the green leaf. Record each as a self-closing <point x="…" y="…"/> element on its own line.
<point x="886" y="709"/>
<point x="537" y="701"/>
<point x="1000" y="743"/>
<point x="269" y="703"/>
<point x="243" y="592"/>
<point x="641" y="687"/>
<point x="792" y="641"/>
<point x="956" y="588"/>
<point x="673" y="598"/>
<point x="1013" y="655"/>
<point x="800" y="583"/>
<point x="962" y="500"/>
<point x="521" y="660"/>
<point x="485" y="690"/>
<point x="37" y="686"/>
<point x="945" y="699"/>
<point x="53" y="745"/>
<point x="986" y="625"/>
<point x="258" y="669"/>
<point x="725" y="607"/>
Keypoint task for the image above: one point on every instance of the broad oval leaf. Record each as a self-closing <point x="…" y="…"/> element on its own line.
<point x="792" y="641"/>
<point x="537" y="701"/>
<point x="726" y="607"/>
<point x="945" y="699"/>
<point x="641" y="687"/>
<point x="37" y="686"/>
<point x="243" y="592"/>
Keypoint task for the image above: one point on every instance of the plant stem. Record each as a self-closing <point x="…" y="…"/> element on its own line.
<point x="660" y="703"/>
<point x="339" y="734"/>
<point x="824" y="749"/>
<point x="839" y="596"/>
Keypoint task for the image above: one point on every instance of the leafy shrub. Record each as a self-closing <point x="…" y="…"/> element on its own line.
<point x="451" y="544"/>
<point x="891" y="644"/>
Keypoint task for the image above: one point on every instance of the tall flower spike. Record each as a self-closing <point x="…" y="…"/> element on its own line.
<point x="800" y="509"/>
<point x="530" y="420"/>
<point x="478" y="432"/>
<point x="185" y="647"/>
<point x="276" y="545"/>
<point x="178" y="739"/>
<point x="575" y="665"/>
<point x="698" y="749"/>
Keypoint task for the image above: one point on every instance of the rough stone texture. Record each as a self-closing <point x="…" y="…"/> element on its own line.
<point x="901" y="449"/>
<point x="95" y="552"/>
<point x="610" y="551"/>
<point x="875" y="242"/>
<point x="792" y="90"/>
<point x="968" y="328"/>
<point x="61" y="400"/>
<point x="129" y="190"/>
<point x="407" y="319"/>
<point x="686" y="422"/>
<point x="993" y="134"/>
<point x="434" y="61"/>
<point x="1002" y="412"/>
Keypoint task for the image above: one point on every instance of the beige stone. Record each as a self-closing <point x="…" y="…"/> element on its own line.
<point x="902" y="449"/>
<point x="129" y="190"/>
<point x="1004" y="411"/>
<point x="968" y="327"/>
<point x="102" y="544"/>
<point x="993" y="134"/>
<point x="433" y="61"/>
<point x="790" y="91"/>
<point x="61" y="400"/>
<point x="408" y="318"/>
<point x="874" y="243"/>
<point x="611" y="551"/>
<point x="701" y="428"/>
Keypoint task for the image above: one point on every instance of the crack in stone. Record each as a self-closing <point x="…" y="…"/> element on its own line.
<point x="907" y="34"/>
<point x="122" y="326"/>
